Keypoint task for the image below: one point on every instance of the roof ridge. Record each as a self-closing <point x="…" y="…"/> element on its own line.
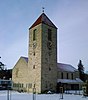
<point x="26" y="58"/>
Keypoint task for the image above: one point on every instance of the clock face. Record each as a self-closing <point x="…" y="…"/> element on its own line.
<point x="49" y="44"/>
<point x="34" y="45"/>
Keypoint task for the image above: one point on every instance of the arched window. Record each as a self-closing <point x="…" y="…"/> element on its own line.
<point x="34" y="35"/>
<point x="49" y="35"/>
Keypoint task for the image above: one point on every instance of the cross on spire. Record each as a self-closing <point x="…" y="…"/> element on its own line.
<point x="43" y="9"/>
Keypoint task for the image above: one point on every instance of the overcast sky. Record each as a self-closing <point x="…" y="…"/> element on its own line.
<point x="70" y="16"/>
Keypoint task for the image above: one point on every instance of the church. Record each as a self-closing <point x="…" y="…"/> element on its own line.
<point x="40" y="71"/>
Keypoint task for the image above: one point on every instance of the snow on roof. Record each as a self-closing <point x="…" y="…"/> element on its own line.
<point x="60" y="66"/>
<point x="77" y="80"/>
<point x="66" y="67"/>
<point x="26" y="59"/>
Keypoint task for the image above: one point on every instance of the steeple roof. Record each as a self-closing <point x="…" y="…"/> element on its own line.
<point x="43" y="19"/>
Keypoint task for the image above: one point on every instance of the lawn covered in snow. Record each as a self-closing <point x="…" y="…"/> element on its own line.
<point x="27" y="96"/>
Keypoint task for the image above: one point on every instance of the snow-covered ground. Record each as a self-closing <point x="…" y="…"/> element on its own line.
<point x="25" y="96"/>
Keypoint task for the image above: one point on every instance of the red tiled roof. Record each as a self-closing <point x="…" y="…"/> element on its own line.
<point x="43" y="19"/>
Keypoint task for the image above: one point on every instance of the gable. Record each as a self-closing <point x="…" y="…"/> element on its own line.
<point x="20" y="70"/>
<point x="25" y="58"/>
<point x="21" y="61"/>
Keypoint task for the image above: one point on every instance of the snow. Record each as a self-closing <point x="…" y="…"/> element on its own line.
<point x="27" y="96"/>
<point x="77" y="80"/>
<point x="66" y="67"/>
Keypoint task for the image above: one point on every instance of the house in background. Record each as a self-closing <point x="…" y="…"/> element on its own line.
<point x="68" y="77"/>
<point x="5" y="79"/>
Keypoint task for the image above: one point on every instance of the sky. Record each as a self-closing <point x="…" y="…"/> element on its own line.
<point x="70" y="16"/>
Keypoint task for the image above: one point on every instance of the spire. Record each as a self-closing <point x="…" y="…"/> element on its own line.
<point x="43" y="19"/>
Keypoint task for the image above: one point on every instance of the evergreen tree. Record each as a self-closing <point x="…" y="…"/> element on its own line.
<point x="80" y="67"/>
<point x="1" y="66"/>
<point x="81" y="71"/>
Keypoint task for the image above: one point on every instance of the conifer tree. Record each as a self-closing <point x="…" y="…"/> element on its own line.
<point x="81" y="71"/>
<point x="1" y="66"/>
<point x="80" y="67"/>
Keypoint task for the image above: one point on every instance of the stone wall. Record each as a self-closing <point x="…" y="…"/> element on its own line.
<point x="20" y="74"/>
<point x="49" y="59"/>
<point x="44" y="75"/>
<point x="34" y="63"/>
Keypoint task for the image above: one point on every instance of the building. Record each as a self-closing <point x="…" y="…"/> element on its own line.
<point x="5" y="84"/>
<point x="39" y="72"/>
<point x="68" y="77"/>
<point x="5" y="78"/>
<point x="20" y="74"/>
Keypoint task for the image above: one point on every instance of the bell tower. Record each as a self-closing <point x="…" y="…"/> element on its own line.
<point x="42" y="55"/>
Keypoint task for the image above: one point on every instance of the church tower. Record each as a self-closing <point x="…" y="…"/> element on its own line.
<point x="42" y="55"/>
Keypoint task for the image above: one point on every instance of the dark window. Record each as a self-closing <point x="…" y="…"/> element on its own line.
<point x="34" y="85"/>
<point x="34" y="35"/>
<point x="49" y="35"/>
<point x="62" y="75"/>
<point x="49" y="69"/>
<point x="33" y="66"/>
<point x="72" y="76"/>
<point x="34" y="53"/>
<point x="67" y="75"/>
<point x="22" y="85"/>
